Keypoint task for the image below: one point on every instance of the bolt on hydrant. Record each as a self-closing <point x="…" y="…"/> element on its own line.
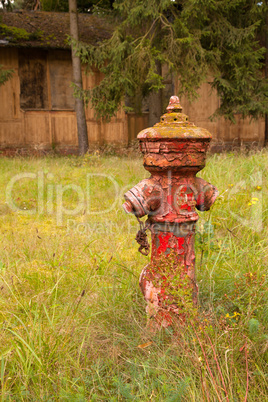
<point x="174" y="151"/>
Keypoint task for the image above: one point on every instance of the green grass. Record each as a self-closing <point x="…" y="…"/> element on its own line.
<point x="71" y="312"/>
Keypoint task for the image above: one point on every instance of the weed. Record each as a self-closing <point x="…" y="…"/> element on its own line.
<point x="73" y="320"/>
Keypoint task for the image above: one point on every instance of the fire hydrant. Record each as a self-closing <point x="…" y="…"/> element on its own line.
<point x="174" y="151"/>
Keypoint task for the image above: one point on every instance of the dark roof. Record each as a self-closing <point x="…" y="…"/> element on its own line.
<point x="48" y="29"/>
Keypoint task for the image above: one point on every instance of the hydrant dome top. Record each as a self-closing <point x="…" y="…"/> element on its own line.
<point x="174" y="104"/>
<point x="174" y="124"/>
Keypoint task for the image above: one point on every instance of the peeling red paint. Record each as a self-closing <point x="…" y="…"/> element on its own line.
<point x="180" y="242"/>
<point x="169" y="199"/>
<point x="174" y="151"/>
<point x="163" y="239"/>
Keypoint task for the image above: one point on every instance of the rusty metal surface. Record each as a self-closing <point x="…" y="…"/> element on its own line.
<point x="176" y="129"/>
<point x="175" y="153"/>
<point x="170" y="198"/>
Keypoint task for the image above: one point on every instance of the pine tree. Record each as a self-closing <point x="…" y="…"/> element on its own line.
<point x="83" y="6"/>
<point x="143" y="40"/>
<point x="193" y="38"/>
<point x="233" y="30"/>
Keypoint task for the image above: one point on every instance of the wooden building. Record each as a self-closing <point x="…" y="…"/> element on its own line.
<point x="37" y="106"/>
<point x="226" y="135"/>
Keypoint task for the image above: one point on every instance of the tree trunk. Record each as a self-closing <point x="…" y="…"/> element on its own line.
<point x="77" y="79"/>
<point x="155" y="102"/>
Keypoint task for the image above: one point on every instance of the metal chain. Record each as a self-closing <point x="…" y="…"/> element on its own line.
<point x="141" y="238"/>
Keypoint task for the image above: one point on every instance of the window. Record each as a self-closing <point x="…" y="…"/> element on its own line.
<point x="45" y="79"/>
<point x="33" y="79"/>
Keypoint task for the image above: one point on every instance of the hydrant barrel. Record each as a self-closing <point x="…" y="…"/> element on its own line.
<point x="174" y="151"/>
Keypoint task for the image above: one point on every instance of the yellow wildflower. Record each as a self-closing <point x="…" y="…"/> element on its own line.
<point x="236" y="315"/>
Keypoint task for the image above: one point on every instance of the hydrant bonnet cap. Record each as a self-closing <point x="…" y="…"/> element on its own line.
<point x="174" y="124"/>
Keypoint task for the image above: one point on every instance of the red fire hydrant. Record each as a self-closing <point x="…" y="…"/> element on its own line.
<point x="174" y="151"/>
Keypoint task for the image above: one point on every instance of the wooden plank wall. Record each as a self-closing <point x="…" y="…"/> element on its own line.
<point x="46" y="129"/>
<point x="136" y="123"/>
<point x="116" y="131"/>
<point x="223" y="132"/>
<point x="11" y="117"/>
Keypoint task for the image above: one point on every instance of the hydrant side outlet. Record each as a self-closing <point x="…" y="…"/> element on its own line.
<point x="174" y="151"/>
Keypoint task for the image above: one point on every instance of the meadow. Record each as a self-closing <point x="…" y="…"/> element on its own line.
<point x="73" y="320"/>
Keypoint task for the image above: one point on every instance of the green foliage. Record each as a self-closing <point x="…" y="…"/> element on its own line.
<point x="55" y="5"/>
<point x="129" y="58"/>
<point x="83" y="6"/>
<point x="205" y="240"/>
<point x="254" y="326"/>
<point x="72" y="317"/>
<point x="16" y="34"/>
<point x="193" y="38"/>
<point x="235" y="30"/>
<point x="169" y="275"/>
<point x="5" y="75"/>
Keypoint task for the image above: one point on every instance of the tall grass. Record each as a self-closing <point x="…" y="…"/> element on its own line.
<point x="73" y="321"/>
